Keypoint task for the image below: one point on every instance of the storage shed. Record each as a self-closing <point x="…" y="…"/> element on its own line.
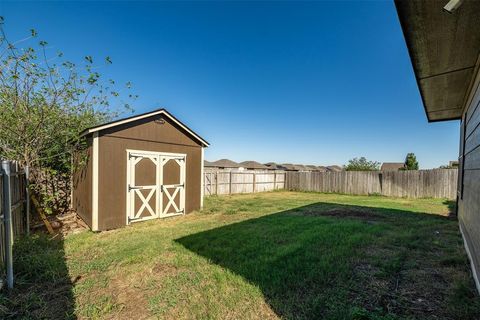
<point x="138" y="168"/>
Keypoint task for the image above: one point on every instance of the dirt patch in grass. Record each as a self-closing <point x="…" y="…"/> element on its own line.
<point x="339" y="212"/>
<point x="121" y="297"/>
<point x="351" y="213"/>
<point x="164" y="269"/>
<point x="130" y="293"/>
<point x="129" y="299"/>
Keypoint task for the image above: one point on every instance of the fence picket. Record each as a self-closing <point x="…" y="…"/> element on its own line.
<point x="232" y="182"/>
<point x="436" y="183"/>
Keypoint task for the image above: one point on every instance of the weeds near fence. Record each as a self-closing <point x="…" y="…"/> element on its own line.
<point x="43" y="288"/>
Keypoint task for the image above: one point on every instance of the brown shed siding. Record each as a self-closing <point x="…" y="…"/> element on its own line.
<point x="469" y="179"/>
<point x="82" y="186"/>
<point x="147" y="135"/>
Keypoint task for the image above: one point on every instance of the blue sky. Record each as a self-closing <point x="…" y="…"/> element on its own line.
<point x="313" y="83"/>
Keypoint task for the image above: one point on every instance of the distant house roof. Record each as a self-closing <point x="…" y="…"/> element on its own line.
<point x="311" y="167"/>
<point x="289" y="167"/>
<point x="321" y="169"/>
<point x="208" y="164"/>
<point x="334" y="168"/>
<point x="301" y="167"/>
<point x="274" y="166"/>
<point x="453" y="163"/>
<point x="225" y="163"/>
<point x="253" y="165"/>
<point x="392" y="166"/>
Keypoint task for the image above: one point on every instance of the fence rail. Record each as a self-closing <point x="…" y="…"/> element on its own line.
<point x="231" y="182"/>
<point x="437" y="183"/>
<point x="14" y="213"/>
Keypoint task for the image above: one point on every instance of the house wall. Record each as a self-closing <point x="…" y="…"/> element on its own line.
<point x="82" y="184"/>
<point x="469" y="176"/>
<point x="149" y="135"/>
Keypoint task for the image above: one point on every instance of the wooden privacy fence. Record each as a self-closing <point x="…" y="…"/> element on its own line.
<point x="14" y="213"/>
<point x="437" y="183"/>
<point x="231" y="182"/>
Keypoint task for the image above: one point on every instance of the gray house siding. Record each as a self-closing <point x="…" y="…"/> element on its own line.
<point x="469" y="177"/>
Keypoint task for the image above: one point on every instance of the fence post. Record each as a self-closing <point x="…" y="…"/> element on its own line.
<point x="216" y="182"/>
<point x="7" y="212"/>
<point x="27" y="196"/>
<point x="254" y="174"/>
<point x="274" y="180"/>
<point x="230" y="183"/>
<point x="210" y="192"/>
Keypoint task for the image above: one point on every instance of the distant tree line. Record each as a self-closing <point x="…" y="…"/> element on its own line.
<point x="362" y="164"/>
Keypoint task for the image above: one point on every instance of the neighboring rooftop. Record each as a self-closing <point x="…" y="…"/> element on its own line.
<point x="301" y="167"/>
<point x="225" y="163"/>
<point x="274" y="166"/>
<point x="289" y="167"/>
<point x="392" y="166"/>
<point x="208" y="164"/>
<point x="334" y="168"/>
<point x="253" y="165"/>
<point x="453" y="163"/>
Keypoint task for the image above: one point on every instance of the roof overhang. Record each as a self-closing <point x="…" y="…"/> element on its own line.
<point x="444" y="49"/>
<point x="143" y="116"/>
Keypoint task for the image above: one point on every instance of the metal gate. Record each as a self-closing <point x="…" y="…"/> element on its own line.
<point x="155" y="185"/>
<point x="14" y="213"/>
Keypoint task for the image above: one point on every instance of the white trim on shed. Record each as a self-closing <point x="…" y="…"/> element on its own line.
<point x="95" y="182"/>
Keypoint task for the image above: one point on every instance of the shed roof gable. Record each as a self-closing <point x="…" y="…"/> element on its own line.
<point x="142" y="116"/>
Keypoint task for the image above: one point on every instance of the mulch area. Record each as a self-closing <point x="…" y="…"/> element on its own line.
<point x="63" y="224"/>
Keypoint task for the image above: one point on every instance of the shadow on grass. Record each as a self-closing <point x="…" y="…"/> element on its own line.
<point x="43" y="288"/>
<point x="452" y="208"/>
<point x="332" y="261"/>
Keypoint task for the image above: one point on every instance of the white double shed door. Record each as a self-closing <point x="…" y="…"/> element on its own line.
<point x="155" y="185"/>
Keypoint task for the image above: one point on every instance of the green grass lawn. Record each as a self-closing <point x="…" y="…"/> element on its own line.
<point x="262" y="256"/>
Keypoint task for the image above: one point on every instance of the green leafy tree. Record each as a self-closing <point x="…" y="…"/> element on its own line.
<point x="411" y="162"/>
<point x="362" y="164"/>
<point x="45" y="102"/>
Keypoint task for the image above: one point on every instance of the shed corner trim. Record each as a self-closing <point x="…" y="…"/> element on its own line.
<point x="95" y="154"/>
